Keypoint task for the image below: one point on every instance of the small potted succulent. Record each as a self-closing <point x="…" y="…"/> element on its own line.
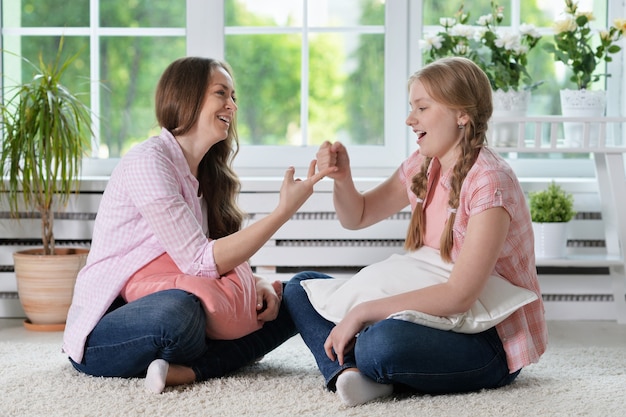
<point x="550" y="210"/>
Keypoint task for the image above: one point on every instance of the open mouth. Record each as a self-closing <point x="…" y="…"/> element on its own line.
<point x="224" y="119"/>
<point x="420" y="134"/>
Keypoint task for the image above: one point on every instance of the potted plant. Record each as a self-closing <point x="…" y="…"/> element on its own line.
<point x="581" y="49"/>
<point x="46" y="130"/>
<point x="550" y="211"/>
<point x="503" y="55"/>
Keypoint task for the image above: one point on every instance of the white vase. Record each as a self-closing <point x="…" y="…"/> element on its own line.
<point x="581" y="103"/>
<point x="550" y="239"/>
<point x="507" y="104"/>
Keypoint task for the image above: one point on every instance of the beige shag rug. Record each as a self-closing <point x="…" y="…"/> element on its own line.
<point x="37" y="380"/>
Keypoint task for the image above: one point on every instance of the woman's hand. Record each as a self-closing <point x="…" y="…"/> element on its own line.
<point x="343" y="336"/>
<point x="268" y="296"/>
<point x="294" y="192"/>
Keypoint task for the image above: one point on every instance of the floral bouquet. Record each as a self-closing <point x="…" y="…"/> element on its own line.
<point x="574" y="44"/>
<point x="502" y="54"/>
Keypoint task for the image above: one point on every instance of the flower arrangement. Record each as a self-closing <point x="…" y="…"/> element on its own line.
<point x="501" y="54"/>
<point x="574" y="44"/>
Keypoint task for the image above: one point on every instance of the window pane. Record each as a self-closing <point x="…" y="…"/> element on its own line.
<point x="345" y="13"/>
<point x="346" y="97"/>
<point x="143" y="13"/>
<point x="263" y="13"/>
<point x="130" y="69"/>
<point x="267" y="78"/>
<point x="46" y="13"/>
<point x="75" y="78"/>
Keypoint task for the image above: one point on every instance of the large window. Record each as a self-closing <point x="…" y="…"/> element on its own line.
<point x="122" y="51"/>
<point x="306" y="70"/>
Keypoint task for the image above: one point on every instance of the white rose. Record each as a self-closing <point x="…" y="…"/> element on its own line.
<point x="463" y="30"/>
<point x="447" y="22"/>
<point x="507" y="40"/>
<point x="431" y="42"/>
<point x="529" y="30"/>
<point x="484" y="20"/>
<point x="567" y="24"/>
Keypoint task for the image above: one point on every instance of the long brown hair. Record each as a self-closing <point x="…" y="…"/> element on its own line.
<point x="179" y="98"/>
<point x="458" y="84"/>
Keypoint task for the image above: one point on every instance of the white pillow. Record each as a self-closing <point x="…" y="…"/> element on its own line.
<point x="333" y="298"/>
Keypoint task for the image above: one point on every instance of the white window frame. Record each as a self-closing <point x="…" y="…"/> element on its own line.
<point x="272" y="160"/>
<point x="206" y="32"/>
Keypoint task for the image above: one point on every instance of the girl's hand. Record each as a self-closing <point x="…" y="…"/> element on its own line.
<point x="334" y="155"/>
<point x="343" y="336"/>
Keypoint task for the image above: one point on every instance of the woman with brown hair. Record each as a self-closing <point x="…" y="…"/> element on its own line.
<point x="469" y="209"/>
<point x="167" y="291"/>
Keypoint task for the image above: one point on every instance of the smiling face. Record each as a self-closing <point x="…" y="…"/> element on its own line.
<point x="218" y="108"/>
<point x="435" y="125"/>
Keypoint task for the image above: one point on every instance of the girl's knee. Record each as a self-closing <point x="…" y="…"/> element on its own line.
<point x="377" y="345"/>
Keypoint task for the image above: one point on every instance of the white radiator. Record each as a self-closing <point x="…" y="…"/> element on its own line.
<point x="314" y="240"/>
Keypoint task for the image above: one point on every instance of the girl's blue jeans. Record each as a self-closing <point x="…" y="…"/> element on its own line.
<point x="170" y="325"/>
<point x="410" y="356"/>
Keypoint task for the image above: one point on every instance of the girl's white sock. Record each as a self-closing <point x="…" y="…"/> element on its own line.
<point x="354" y="388"/>
<point x="155" y="376"/>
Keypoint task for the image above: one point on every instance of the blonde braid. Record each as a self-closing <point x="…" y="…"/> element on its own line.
<point x="415" y="233"/>
<point x="470" y="148"/>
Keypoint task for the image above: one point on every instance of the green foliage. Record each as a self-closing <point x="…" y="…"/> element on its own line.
<point x="551" y="205"/>
<point x="575" y="47"/>
<point x="46" y="132"/>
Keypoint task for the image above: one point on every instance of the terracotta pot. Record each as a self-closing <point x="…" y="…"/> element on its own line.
<point x="45" y="285"/>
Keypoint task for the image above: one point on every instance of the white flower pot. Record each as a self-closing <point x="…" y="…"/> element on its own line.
<point x="581" y="103"/>
<point x="550" y="239"/>
<point x="507" y="104"/>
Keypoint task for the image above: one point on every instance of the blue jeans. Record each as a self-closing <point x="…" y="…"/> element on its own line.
<point x="170" y="325"/>
<point x="410" y="356"/>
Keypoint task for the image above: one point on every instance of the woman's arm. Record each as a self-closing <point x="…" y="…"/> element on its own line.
<point x="238" y="247"/>
<point x="484" y="240"/>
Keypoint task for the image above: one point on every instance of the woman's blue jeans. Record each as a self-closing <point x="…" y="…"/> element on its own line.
<point x="408" y="355"/>
<point x="170" y="325"/>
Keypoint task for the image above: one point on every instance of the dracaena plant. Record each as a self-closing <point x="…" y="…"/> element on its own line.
<point x="46" y="130"/>
<point x="501" y="53"/>
<point x="582" y="48"/>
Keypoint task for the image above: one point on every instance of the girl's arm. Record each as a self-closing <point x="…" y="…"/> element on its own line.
<point x="484" y="240"/>
<point x="356" y="209"/>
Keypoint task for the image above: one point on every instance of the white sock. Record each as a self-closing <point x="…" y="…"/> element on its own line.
<point x="155" y="376"/>
<point x="355" y="388"/>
